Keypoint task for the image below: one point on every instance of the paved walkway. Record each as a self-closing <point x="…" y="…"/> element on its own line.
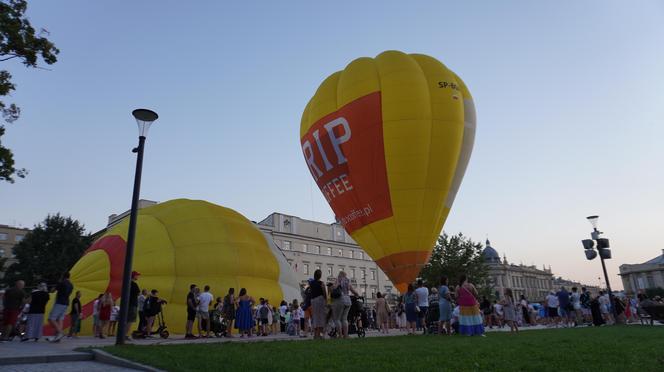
<point x="63" y="367"/>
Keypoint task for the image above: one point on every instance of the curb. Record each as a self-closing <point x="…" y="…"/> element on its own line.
<point x="107" y="358"/>
<point x="47" y="358"/>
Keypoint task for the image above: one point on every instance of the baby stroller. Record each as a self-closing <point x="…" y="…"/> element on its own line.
<point x="219" y="325"/>
<point x="357" y="317"/>
<point x="433" y="315"/>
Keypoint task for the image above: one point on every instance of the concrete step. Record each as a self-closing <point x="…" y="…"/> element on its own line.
<point x="46" y="358"/>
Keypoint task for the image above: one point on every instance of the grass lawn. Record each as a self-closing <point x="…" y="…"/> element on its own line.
<point x="619" y="348"/>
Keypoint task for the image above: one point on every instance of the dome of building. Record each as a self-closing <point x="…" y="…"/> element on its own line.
<point x="490" y="254"/>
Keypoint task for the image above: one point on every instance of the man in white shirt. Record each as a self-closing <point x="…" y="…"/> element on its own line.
<point x="552" y="309"/>
<point x="422" y="293"/>
<point x="203" y="311"/>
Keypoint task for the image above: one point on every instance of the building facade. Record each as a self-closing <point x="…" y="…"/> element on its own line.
<point x="310" y="245"/>
<point x="529" y="281"/>
<point x="569" y="284"/>
<point x="636" y="278"/>
<point x="9" y="237"/>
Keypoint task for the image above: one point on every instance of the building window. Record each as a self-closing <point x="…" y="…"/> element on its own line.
<point x="286" y="245"/>
<point x="350" y="253"/>
<point x="329" y="271"/>
<point x="373" y="274"/>
<point x="329" y="251"/>
<point x="373" y="292"/>
<point x="318" y="267"/>
<point x="2" y="252"/>
<point x="305" y="269"/>
<point x="18" y="238"/>
<point x="304" y="248"/>
<point x="352" y="273"/>
<point x="4" y="236"/>
<point x="363" y="274"/>
<point x="341" y="253"/>
<point x="316" y="249"/>
<point x="360" y="255"/>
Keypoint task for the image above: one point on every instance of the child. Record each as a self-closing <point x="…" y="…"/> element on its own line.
<point x="263" y="312"/>
<point x="95" y="315"/>
<point x="114" y="319"/>
<point x="105" y="305"/>
<point x="296" y="315"/>
<point x="276" y="320"/>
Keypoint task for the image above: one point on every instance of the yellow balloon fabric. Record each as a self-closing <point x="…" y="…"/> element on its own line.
<point x="388" y="140"/>
<point x="183" y="242"/>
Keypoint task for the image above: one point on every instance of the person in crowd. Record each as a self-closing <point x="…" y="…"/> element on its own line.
<point x="203" y="312"/>
<point x="296" y="315"/>
<point x="552" y="309"/>
<point x="596" y="311"/>
<point x="633" y="306"/>
<point x="270" y="317"/>
<point x="470" y="318"/>
<point x="75" y="315"/>
<point x="455" y="319"/>
<point x="401" y="315"/>
<point x="575" y="297"/>
<point x="422" y="293"/>
<point x="585" y="305"/>
<point x="318" y="296"/>
<point x="141" y="310"/>
<point x="486" y="309"/>
<point x="283" y="308"/>
<point x="497" y="314"/>
<point x="192" y="305"/>
<point x="152" y="308"/>
<point x="509" y="310"/>
<point x="244" y="321"/>
<point x="305" y="321"/>
<point x="38" y="299"/>
<point x="263" y="315"/>
<point x="444" y="306"/>
<point x="563" y="306"/>
<point x="620" y="307"/>
<point x="341" y="303"/>
<point x="105" y="307"/>
<point x="605" y="307"/>
<point x="382" y="313"/>
<point x="13" y="301"/>
<point x="115" y="310"/>
<point x="229" y="310"/>
<point x="59" y="309"/>
<point x="276" y="320"/>
<point x="410" y="302"/>
<point x="525" y="310"/>
<point x="132" y="312"/>
<point x="95" y="314"/>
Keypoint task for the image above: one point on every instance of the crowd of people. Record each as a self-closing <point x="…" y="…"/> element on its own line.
<point x="333" y="309"/>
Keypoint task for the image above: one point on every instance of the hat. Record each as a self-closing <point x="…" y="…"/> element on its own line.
<point x="135" y="273"/>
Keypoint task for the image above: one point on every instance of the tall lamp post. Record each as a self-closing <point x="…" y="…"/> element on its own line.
<point x="144" y="118"/>
<point x="602" y="246"/>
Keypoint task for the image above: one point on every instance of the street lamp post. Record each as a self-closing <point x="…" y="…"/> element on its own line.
<point x="602" y="247"/>
<point x="144" y="118"/>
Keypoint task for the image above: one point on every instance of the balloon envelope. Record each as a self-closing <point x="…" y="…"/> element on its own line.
<point x="183" y="242"/>
<point x="387" y="141"/>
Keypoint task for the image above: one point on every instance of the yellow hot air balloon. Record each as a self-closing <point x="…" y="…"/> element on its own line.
<point x="388" y="140"/>
<point x="183" y="242"/>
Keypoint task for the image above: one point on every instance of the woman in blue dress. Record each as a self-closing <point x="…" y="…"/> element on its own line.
<point x="445" y="306"/>
<point x="410" y="299"/>
<point x="244" y="320"/>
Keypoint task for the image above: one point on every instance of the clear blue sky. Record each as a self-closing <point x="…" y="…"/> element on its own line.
<point x="569" y="100"/>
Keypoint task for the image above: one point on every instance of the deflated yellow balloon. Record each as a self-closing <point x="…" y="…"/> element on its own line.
<point x="183" y="242"/>
<point x="387" y="141"/>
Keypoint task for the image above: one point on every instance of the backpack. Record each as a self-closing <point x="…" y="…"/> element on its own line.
<point x="263" y="312"/>
<point x="336" y="292"/>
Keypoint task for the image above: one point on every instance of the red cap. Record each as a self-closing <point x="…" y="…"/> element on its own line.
<point x="135" y="274"/>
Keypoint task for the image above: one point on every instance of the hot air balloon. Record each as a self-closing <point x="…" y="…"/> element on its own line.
<point x="182" y="242"/>
<point x="387" y="141"/>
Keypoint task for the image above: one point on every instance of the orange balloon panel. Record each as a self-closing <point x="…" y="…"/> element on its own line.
<point x="387" y="141"/>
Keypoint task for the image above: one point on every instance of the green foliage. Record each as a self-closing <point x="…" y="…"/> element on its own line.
<point x="20" y="41"/>
<point x="615" y="348"/>
<point x="456" y="255"/>
<point x="48" y="251"/>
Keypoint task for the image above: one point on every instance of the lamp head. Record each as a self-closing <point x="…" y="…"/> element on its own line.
<point x="593" y="220"/>
<point x="144" y="118"/>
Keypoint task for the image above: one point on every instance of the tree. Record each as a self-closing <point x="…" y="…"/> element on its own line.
<point x="456" y="255"/>
<point x="48" y="251"/>
<point x="18" y="41"/>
